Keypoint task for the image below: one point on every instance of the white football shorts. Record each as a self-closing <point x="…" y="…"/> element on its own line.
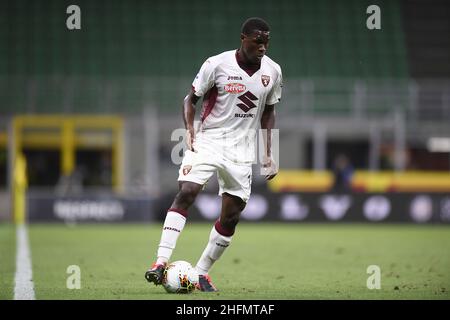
<point x="199" y="166"/>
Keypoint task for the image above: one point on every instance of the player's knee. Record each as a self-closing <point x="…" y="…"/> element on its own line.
<point x="186" y="196"/>
<point x="241" y="206"/>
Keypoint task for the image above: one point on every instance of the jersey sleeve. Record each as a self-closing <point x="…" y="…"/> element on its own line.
<point x="275" y="94"/>
<point x="205" y="79"/>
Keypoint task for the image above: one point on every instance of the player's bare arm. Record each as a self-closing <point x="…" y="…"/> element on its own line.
<point x="268" y="123"/>
<point x="188" y="118"/>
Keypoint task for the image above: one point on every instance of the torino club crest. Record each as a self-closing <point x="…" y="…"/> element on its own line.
<point x="186" y="169"/>
<point x="265" y="80"/>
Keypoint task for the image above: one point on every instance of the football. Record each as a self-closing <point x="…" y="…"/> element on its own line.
<point x="180" y="277"/>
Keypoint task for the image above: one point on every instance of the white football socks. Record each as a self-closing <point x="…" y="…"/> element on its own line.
<point x="173" y="225"/>
<point x="214" y="249"/>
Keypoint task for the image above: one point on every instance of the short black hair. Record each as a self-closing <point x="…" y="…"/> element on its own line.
<point x="252" y="24"/>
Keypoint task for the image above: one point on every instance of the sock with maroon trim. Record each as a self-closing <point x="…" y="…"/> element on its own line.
<point x="173" y="225"/>
<point x="214" y="249"/>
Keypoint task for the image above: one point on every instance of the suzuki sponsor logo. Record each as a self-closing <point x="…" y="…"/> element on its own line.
<point x="247" y="101"/>
<point x="377" y="208"/>
<point x="335" y="207"/>
<point x="234" y="87"/>
<point x="244" y="115"/>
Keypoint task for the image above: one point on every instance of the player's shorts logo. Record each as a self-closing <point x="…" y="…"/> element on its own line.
<point x="234" y="87"/>
<point x="186" y="169"/>
<point x="265" y="80"/>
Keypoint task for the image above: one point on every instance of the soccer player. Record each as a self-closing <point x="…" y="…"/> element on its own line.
<point x="239" y="89"/>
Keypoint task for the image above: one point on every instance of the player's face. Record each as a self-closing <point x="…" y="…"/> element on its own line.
<point x="255" y="45"/>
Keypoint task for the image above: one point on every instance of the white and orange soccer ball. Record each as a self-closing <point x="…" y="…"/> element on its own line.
<point x="180" y="277"/>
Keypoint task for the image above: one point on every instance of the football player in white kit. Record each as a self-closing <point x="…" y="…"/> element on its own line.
<point x="239" y="90"/>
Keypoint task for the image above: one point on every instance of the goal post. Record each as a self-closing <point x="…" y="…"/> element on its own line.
<point x="66" y="134"/>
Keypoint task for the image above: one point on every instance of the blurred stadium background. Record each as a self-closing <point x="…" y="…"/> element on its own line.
<point x="87" y="116"/>
<point x="94" y="109"/>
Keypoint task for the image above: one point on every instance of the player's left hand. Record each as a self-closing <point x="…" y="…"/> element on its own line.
<point x="269" y="168"/>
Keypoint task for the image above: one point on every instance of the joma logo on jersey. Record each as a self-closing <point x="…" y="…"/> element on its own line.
<point x="234" y="87"/>
<point x="234" y="78"/>
<point x="247" y="99"/>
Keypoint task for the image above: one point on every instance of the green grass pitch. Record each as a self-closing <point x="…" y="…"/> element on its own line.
<point x="264" y="261"/>
<point x="7" y="260"/>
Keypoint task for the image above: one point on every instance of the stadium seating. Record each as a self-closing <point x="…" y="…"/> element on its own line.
<point x="128" y="53"/>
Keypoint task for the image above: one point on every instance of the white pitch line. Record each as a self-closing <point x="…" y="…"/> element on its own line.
<point x="24" y="287"/>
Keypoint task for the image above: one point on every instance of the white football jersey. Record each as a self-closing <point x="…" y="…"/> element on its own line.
<point x="234" y="102"/>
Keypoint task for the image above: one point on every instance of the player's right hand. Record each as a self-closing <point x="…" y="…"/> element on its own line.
<point x="190" y="137"/>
